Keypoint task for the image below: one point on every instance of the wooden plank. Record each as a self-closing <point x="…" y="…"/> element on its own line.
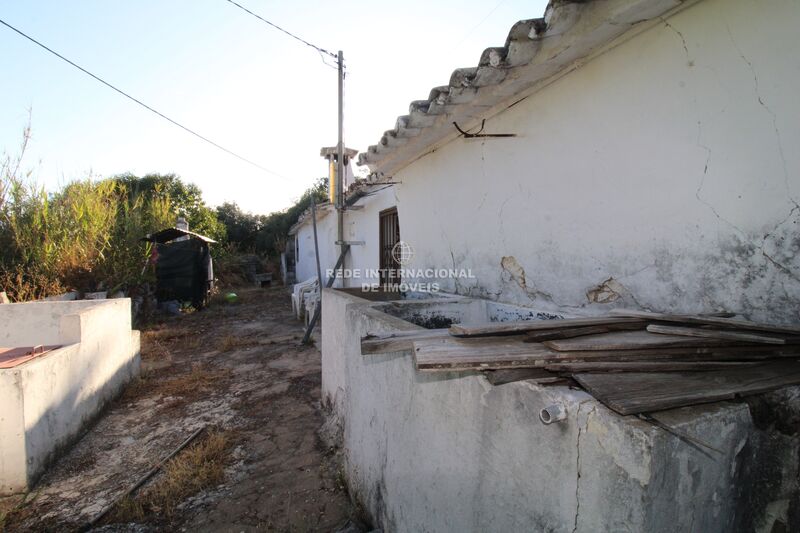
<point x="699" y="353"/>
<point x="715" y="334"/>
<point x="569" y="333"/>
<point x="508" y="328"/>
<point x="477" y="354"/>
<point x="478" y="345"/>
<point x="707" y="320"/>
<point x="641" y="392"/>
<point x="630" y="340"/>
<point x="646" y="366"/>
<point x="398" y="341"/>
<point x="510" y="375"/>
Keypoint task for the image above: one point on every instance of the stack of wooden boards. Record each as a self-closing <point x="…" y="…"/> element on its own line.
<point x="632" y="361"/>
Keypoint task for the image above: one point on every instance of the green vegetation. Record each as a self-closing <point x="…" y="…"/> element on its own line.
<point x="86" y="236"/>
<point x="186" y="200"/>
<point x="265" y="235"/>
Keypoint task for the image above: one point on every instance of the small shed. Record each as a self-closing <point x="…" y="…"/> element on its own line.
<point x="184" y="268"/>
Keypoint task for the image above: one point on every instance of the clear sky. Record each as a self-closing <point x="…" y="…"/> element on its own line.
<point x="230" y="77"/>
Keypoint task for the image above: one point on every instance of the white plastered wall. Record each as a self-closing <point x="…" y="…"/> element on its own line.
<point x="47" y="401"/>
<point x="360" y="225"/>
<point x="662" y="174"/>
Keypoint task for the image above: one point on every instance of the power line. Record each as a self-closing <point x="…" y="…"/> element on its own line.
<point x="126" y="95"/>
<point x="290" y="34"/>
<point x="478" y="25"/>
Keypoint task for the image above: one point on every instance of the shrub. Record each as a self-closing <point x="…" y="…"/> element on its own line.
<point x="84" y="237"/>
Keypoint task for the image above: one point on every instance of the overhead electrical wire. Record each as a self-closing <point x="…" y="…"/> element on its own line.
<point x="321" y="50"/>
<point x="478" y="25"/>
<point x="126" y="95"/>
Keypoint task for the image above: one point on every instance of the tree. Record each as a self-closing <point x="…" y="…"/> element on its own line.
<point x="241" y="227"/>
<point x="185" y="198"/>
<point x="271" y="239"/>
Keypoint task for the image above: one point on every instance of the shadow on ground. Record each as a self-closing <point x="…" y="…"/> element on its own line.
<point x="238" y="369"/>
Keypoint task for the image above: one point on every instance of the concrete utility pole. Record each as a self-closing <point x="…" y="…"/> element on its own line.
<point x="340" y="166"/>
<point x="338" y="202"/>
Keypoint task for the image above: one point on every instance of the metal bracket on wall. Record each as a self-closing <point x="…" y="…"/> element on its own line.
<point x="478" y="133"/>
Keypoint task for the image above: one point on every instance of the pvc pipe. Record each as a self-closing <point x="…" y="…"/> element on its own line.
<point x="552" y="413"/>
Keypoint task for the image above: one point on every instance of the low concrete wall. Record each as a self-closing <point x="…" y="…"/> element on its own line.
<point x="48" y="400"/>
<point x="450" y="452"/>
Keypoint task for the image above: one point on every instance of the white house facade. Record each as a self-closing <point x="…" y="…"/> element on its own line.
<point x="613" y="153"/>
<point x="658" y="171"/>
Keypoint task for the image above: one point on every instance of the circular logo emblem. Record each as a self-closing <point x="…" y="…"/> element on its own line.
<point x="402" y="252"/>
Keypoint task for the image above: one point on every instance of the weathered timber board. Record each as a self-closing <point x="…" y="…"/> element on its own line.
<point x="630" y="340"/>
<point x="448" y="344"/>
<point x="569" y="333"/>
<point x="641" y="392"/>
<point x="510" y="375"/>
<point x="481" y="354"/>
<point x="399" y="341"/>
<point x="646" y="366"/>
<point x="715" y="334"/>
<point x="506" y="328"/>
<point x="700" y="353"/>
<point x="706" y="320"/>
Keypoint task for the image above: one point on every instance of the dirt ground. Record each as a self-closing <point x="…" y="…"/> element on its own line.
<point x="238" y="370"/>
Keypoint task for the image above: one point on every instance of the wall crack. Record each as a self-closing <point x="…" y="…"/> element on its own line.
<point x="778" y="138"/>
<point x="760" y="246"/>
<point x="581" y="430"/>
<point x="689" y="60"/>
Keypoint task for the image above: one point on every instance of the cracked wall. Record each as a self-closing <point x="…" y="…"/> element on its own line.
<point x="657" y="175"/>
<point x="449" y="452"/>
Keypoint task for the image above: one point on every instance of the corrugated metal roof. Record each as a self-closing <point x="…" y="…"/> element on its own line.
<point x="170" y="234"/>
<point x="535" y="50"/>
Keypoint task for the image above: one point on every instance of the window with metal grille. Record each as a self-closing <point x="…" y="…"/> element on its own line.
<point x="389" y="236"/>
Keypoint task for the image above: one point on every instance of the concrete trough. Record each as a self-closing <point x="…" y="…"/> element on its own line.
<point x="47" y="401"/>
<point x="450" y="452"/>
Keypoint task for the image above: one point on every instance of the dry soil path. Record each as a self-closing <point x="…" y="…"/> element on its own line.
<point x="237" y="369"/>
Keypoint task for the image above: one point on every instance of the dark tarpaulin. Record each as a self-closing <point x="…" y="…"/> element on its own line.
<point x="184" y="272"/>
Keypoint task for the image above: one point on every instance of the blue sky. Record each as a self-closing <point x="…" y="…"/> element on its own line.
<point x="230" y="77"/>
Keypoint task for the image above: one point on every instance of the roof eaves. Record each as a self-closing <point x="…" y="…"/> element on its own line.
<point x="305" y="217"/>
<point x="535" y="50"/>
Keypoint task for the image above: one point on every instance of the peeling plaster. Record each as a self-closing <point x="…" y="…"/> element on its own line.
<point x="635" y="462"/>
<point x="608" y="291"/>
<point x="705" y="162"/>
<point x="511" y="266"/>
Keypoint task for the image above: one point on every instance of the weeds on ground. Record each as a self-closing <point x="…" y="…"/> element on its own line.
<point x="200" y="378"/>
<point x="200" y="466"/>
<point x="165" y="334"/>
<point x="231" y="342"/>
<point x="138" y="386"/>
<point x="159" y="343"/>
<point x="15" y="509"/>
<point x="153" y="349"/>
